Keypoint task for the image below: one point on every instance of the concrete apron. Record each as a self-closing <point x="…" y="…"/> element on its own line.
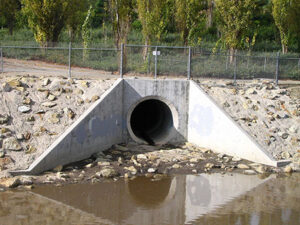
<point x="151" y="111"/>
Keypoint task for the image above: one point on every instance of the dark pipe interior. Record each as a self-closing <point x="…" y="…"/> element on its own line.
<point x="151" y="120"/>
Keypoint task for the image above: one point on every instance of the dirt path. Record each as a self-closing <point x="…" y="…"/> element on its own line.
<point x="34" y="67"/>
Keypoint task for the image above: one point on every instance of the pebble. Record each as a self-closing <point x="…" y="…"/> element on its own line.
<point x="249" y="172"/>
<point x="243" y="166"/>
<point x="24" y="109"/>
<point x="49" y="104"/>
<point x="288" y="169"/>
<point x="151" y="170"/>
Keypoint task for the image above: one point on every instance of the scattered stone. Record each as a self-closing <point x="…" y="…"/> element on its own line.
<point x="131" y="169"/>
<point x="288" y="169"/>
<point x="194" y="160"/>
<point x="90" y="165"/>
<point x="236" y="159"/>
<point x="141" y="157"/>
<point x="285" y="155"/>
<point x="30" y="149"/>
<point x="176" y="166"/>
<point x="283" y="135"/>
<point x="26" y="180"/>
<point x="11" y="144"/>
<point x="226" y="105"/>
<point x="151" y="170"/>
<point x="2" y="154"/>
<point x="249" y="172"/>
<point x="59" y="168"/>
<point x="243" y="166"/>
<point x="49" y="104"/>
<point x="69" y="113"/>
<point x="107" y="173"/>
<point x="260" y="169"/>
<point x="251" y="91"/>
<point x="54" y="118"/>
<point x="46" y="82"/>
<point x="27" y="135"/>
<point x="6" y="87"/>
<point x="51" y="97"/>
<point x="84" y="84"/>
<point x="30" y="119"/>
<point x="103" y="163"/>
<point x="209" y="165"/>
<point x="27" y="101"/>
<point x="293" y="129"/>
<point x="10" y="182"/>
<point x="4" y="119"/>
<point x="24" y="109"/>
<point x="4" y="130"/>
<point x="95" y="98"/>
<point x="14" y="83"/>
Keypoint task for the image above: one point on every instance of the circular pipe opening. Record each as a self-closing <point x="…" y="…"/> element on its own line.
<point x="151" y="121"/>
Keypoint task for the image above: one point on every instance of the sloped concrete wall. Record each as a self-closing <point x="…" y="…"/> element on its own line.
<point x="211" y="127"/>
<point x="96" y="130"/>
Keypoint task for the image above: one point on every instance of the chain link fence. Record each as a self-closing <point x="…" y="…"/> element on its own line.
<point x="157" y="61"/>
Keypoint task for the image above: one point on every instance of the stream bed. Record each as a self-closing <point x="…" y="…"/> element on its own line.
<point x="181" y="199"/>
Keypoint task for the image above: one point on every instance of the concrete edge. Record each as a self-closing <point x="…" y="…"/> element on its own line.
<point x="273" y="162"/>
<point x="65" y="133"/>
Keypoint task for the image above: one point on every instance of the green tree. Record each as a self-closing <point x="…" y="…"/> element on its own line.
<point x="234" y="21"/>
<point x="294" y="20"/>
<point x="99" y="13"/>
<point x="121" y="12"/>
<point x="46" y="18"/>
<point x="280" y="12"/>
<point x="8" y="11"/>
<point x="190" y="18"/>
<point x="86" y="33"/>
<point x="75" y="15"/>
<point x="154" y="16"/>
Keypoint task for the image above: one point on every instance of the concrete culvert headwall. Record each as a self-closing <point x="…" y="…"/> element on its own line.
<point x="151" y="121"/>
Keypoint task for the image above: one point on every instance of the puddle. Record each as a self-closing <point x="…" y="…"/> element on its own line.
<point x="183" y="199"/>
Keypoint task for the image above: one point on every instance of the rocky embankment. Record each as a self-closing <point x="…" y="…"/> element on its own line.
<point x="36" y="110"/>
<point x="269" y="113"/>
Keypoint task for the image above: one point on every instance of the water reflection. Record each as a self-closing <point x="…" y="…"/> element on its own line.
<point x="204" y="199"/>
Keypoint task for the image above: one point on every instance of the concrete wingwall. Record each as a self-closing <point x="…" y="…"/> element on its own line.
<point x="96" y="130"/>
<point x="211" y="127"/>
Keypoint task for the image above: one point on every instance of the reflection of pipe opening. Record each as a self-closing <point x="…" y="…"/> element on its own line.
<point x="151" y="121"/>
<point x="149" y="193"/>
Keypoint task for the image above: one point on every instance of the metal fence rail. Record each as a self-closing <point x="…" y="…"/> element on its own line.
<point x="189" y="62"/>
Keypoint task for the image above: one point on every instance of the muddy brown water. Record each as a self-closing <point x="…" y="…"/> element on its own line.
<point x="184" y="199"/>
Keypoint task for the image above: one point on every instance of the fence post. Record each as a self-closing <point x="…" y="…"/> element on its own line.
<point x="189" y="64"/>
<point x="265" y="63"/>
<point x="70" y="50"/>
<point x="121" y="60"/>
<point x="148" y="69"/>
<point x="1" y="56"/>
<point x="234" y="72"/>
<point x="277" y="68"/>
<point x="155" y="72"/>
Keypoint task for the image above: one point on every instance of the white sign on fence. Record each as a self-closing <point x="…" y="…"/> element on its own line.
<point x="156" y="52"/>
